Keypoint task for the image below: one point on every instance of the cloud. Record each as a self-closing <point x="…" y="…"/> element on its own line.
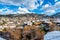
<point x="22" y="11"/>
<point x="51" y="9"/>
<point x="57" y="5"/>
<point x="0" y="11"/>
<point x="50" y="12"/>
<point x="56" y="0"/>
<point x="9" y="2"/>
<point x="41" y="2"/>
<point x="47" y="7"/>
<point x="7" y="11"/>
<point x="29" y="4"/>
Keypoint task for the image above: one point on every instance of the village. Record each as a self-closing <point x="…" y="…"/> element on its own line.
<point x="18" y="28"/>
<point x="6" y="22"/>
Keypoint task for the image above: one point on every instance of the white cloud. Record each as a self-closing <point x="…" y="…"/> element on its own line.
<point x="29" y="4"/>
<point x="41" y="2"/>
<point x="22" y="10"/>
<point x="50" y="12"/>
<point x="9" y="2"/>
<point x="51" y="9"/>
<point x="47" y="5"/>
<point x="56" y="0"/>
<point x="7" y="11"/>
<point x="19" y="11"/>
<point x="0" y="11"/>
<point x="57" y="5"/>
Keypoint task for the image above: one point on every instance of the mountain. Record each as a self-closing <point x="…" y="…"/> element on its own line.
<point x="25" y="15"/>
<point x="57" y="15"/>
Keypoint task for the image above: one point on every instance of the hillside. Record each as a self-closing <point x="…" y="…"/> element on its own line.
<point x="57" y="15"/>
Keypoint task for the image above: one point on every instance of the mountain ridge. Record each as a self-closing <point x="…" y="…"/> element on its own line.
<point x="57" y="15"/>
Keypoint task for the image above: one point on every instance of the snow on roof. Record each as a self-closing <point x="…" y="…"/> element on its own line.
<point x="1" y="38"/>
<point x="54" y="35"/>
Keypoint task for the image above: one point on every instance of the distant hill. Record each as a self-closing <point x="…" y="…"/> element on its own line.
<point x="24" y="15"/>
<point x="57" y="15"/>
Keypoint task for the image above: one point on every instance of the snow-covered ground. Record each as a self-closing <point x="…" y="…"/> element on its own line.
<point x="54" y="35"/>
<point x="1" y="38"/>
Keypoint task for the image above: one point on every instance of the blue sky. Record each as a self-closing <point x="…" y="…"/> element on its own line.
<point x="48" y="7"/>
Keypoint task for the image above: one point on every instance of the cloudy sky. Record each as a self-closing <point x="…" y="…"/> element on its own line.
<point x="48" y="7"/>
